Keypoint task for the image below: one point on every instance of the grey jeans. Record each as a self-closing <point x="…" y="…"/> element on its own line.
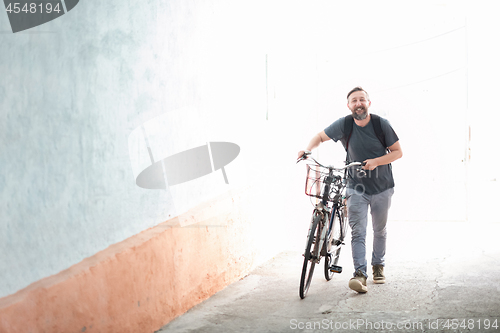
<point x="357" y="212"/>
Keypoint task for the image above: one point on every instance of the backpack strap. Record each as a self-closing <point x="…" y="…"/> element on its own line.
<point x="378" y="129"/>
<point x="348" y="123"/>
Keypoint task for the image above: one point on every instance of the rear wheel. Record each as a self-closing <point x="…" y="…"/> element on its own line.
<point x="308" y="266"/>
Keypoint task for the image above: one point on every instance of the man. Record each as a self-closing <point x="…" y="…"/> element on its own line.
<point x="372" y="140"/>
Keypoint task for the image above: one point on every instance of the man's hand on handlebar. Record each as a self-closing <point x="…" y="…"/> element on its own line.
<point x="302" y="155"/>
<point x="370" y="164"/>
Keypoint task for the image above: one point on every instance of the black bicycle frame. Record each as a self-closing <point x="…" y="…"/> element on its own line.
<point x="337" y="203"/>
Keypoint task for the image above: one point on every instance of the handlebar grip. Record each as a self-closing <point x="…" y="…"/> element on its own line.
<point x="361" y="172"/>
<point x="304" y="156"/>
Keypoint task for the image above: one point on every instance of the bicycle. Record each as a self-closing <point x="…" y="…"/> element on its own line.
<point x="328" y="225"/>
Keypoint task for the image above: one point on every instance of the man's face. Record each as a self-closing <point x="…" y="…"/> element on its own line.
<point x="358" y="103"/>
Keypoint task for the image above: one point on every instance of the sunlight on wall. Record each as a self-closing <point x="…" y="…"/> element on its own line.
<point x="412" y="61"/>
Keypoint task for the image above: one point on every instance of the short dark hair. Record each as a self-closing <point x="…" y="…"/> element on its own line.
<point x="358" y="88"/>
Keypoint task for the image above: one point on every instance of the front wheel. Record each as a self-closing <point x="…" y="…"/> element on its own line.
<point x="308" y="266"/>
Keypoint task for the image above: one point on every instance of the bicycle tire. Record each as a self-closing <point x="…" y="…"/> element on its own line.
<point x="308" y="266"/>
<point x="334" y="235"/>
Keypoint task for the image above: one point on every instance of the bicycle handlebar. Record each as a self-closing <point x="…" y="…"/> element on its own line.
<point x="307" y="154"/>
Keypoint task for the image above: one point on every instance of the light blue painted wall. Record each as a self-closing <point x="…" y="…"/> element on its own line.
<point x="71" y="93"/>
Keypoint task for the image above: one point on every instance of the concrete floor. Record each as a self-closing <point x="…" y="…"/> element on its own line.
<point x="438" y="275"/>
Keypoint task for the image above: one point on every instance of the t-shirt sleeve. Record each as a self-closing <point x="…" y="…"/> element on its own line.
<point x="336" y="130"/>
<point x="390" y="135"/>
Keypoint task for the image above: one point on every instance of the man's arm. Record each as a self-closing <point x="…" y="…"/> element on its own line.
<point x="315" y="142"/>
<point x="395" y="153"/>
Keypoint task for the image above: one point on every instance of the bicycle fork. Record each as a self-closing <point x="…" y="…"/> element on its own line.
<point x="317" y="250"/>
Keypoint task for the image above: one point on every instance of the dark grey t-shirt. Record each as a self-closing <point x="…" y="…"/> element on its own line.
<point x="364" y="145"/>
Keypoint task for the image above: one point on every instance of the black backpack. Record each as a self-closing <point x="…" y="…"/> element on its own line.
<point x="348" y="124"/>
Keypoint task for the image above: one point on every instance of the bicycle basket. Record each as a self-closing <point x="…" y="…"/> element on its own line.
<point x="315" y="180"/>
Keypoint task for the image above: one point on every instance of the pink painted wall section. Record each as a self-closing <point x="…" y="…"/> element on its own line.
<point x="142" y="283"/>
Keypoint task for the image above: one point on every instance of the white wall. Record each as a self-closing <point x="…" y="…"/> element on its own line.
<point x="483" y="115"/>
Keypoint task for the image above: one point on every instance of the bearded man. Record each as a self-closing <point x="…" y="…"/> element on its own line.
<point x="370" y="139"/>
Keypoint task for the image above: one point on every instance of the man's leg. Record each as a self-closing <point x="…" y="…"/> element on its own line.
<point x="357" y="212"/>
<point x="379" y="205"/>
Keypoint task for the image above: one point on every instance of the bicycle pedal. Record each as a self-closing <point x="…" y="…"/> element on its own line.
<point x="336" y="269"/>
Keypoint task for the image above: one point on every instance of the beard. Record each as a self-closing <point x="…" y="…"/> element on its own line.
<point x="360" y="116"/>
